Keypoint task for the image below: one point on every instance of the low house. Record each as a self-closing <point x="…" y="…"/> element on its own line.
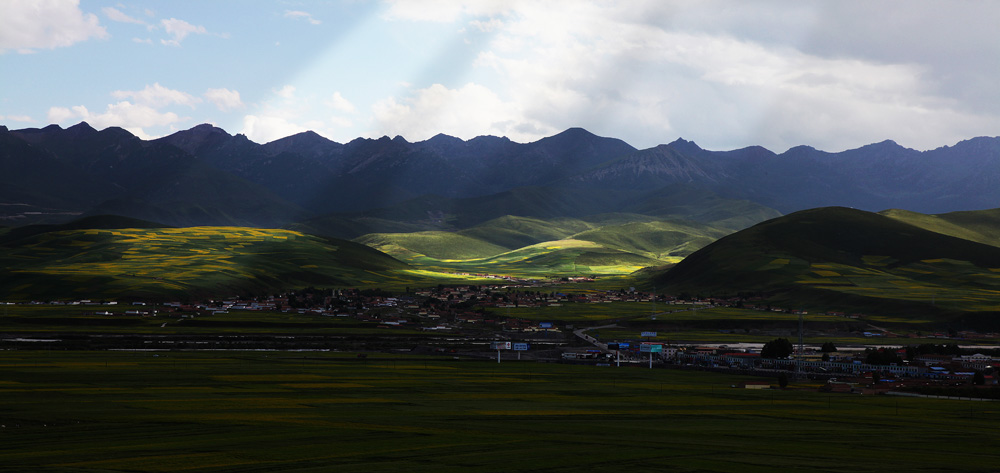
<point x="755" y="385"/>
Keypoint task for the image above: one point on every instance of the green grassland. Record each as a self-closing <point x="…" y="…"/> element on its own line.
<point x="664" y="241"/>
<point x="436" y="244"/>
<point x="848" y="260"/>
<point x="982" y="226"/>
<point x="41" y="319"/>
<point x="75" y="261"/>
<point x="218" y="412"/>
<point x="685" y="323"/>
<point x="582" y="314"/>
<point x="607" y="245"/>
<point x="513" y="232"/>
<point x="551" y="259"/>
<point x="187" y="263"/>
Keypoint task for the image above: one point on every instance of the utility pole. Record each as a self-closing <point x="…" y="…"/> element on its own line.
<point x="798" y="361"/>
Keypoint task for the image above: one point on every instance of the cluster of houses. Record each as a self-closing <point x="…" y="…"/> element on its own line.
<point x="923" y="366"/>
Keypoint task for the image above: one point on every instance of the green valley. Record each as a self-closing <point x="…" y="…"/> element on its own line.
<point x="610" y="244"/>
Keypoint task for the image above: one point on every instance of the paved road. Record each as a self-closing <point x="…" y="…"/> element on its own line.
<point x="582" y="334"/>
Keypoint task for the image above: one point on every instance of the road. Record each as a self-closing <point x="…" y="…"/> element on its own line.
<point x="581" y="332"/>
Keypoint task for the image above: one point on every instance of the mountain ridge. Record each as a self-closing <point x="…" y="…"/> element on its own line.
<point x="306" y="176"/>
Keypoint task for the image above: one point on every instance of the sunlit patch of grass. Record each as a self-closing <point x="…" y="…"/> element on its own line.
<point x="876" y="260"/>
<point x="329" y="386"/>
<point x="814" y="281"/>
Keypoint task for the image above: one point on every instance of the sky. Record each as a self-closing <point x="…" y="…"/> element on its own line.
<point x="834" y="74"/>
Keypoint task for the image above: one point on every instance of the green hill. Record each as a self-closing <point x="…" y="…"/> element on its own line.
<point x="656" y="240"/>
<point x="845" y="259"/>
<point x="182" y="263"/>
<point x="611" y="244"/>
<point x="563" y="257"/>
<point x="515" y="232"/>
<point x="437" y="245"/>
<point x="981" y="226"/>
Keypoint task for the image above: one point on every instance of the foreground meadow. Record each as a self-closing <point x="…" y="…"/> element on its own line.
<point x="157" y="412"/>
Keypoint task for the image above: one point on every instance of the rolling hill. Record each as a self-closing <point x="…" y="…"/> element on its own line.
<point x="846" y="259"/>
<point x="181" y="263"/>
<point x="981" y="226"/>
<point x="518" y="246"/>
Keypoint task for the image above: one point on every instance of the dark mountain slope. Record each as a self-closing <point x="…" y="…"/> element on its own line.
<point x="153" y="180"/>
<point x="33" y="178"/>
<point x="289" y="175"/>
<point x="572" y="174"/>
<point x="92" y="222"/>
<point x="652" y="169"/>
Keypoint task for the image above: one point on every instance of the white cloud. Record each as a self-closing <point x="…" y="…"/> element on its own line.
<point x="267" y="128"/>
<point x="115" y="14"/>
<point x="288" y="113"/>
<point x="286" y="92"/>
<point x="340" y="104"/>
<point x="488" y="26"/>
<point x="61" y="115"/>
<point x="445" y="11"/>
<point x="16" y="118"/>
<point x="27" y="25"/>
<point x="224" y="99"/>
<point x="157" y="96"/>
<point x="726" y="74"/>
<point x="179" y="29"/>
<point x="467" y="112"/>
<point x="301" y="15"/>
<point x="123" y="114"/>
<point x="142" y="41"/>
<point x="340" y="122"/>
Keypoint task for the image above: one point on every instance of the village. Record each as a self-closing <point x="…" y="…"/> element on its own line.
<point x="476" y="315"/>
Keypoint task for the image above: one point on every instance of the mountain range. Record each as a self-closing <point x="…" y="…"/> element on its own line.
<point x="205" y="176"/>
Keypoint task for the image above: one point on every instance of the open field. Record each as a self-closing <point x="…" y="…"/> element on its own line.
<point x="583" y="314"/>
<point x="146" y="412"/>
<point x="674" y="323"/>
<point x="39" y="319"/>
